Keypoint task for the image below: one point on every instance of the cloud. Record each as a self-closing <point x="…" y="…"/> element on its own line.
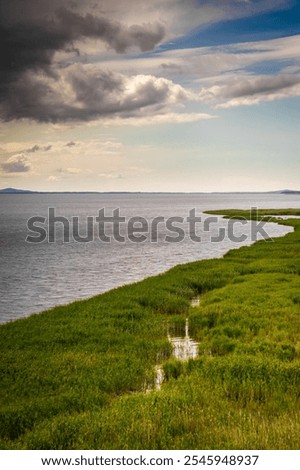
<point x="250" y="90"/>
<point x="29" y="41"/>
<point x="53" y="178"/>
<point x="37" y="37"/>
<point x="214" y="64"/>
<point x="38" y="148"/>
<point x="110" y="175"/>
<point x="156" y="119"/>
<point x="117" y="36"/>
<point x="181" y="16"/>
<point x="69" y="171"/>
<point x="71" y="144"/>
<point x="74" y="171"/>
<point x="86" y="93"/>
<point x="16" y="164"/>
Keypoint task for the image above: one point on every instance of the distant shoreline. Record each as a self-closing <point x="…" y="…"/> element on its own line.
<point x="27" y="191"/>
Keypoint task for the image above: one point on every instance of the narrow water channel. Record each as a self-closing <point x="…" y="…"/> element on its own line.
<point x="184" y="348"/>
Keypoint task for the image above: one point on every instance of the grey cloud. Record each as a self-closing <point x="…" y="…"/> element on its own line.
<point x="16" y="164"/>
<point x="116" y="35"/>
<point x="33" y="31"/>
<point x="97" y="91"/>
<point x="261" y="85"/>
<point x="172" y="68"/>
<point x="252" y="90"/>
<point x="38" y="148"/>
<point x="90" y="94"/>
<point x="32" y="42"/>
<point x="30" y="38"/>
<point x="33" y="149"/>
<point x="107" y="93"/>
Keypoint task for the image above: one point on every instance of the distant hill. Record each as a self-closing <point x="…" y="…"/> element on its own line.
<point x="289" y="191"/>
<point x="284" y="191"/>
<point x="16" y="191"/>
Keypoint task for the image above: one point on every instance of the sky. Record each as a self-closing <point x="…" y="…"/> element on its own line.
<point x="160" y="95"/>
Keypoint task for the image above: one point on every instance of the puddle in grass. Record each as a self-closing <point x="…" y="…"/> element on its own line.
<point x="195" y="301"/>
<point x="184" y="348"/>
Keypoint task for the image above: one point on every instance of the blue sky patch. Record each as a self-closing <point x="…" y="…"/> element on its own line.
<point x="271" y="25"/>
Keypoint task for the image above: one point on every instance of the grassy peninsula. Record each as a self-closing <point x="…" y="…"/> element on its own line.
<point x="74" y="377"/>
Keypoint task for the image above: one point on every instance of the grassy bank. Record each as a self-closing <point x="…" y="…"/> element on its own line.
<point x="75" y="377"/>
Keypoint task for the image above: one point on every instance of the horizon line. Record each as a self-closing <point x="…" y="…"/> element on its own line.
<point x="28" y="191"/>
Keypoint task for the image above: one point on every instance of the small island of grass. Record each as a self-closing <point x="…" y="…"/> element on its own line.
<point x="80" y="376"/>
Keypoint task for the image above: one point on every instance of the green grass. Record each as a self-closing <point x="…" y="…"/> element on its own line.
<point x="255" y="214"/>
<point x="74" y="377"/>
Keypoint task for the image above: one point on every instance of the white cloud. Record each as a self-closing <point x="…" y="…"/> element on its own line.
<point x="53" y="178"/>
<point x="205" y="64"/>
<point x="110" y="175"/>
<point x="156" y="119"/>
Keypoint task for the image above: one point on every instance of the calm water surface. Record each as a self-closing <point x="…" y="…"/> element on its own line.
<point x="36" y="276"/>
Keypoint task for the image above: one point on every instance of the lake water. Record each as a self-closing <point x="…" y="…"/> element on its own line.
<point x="36" y="276"/>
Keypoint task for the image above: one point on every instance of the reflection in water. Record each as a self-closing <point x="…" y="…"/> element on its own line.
<point x="159" y="378"/>
<point x="184" y="348"/>
<point x="195" y="301"/>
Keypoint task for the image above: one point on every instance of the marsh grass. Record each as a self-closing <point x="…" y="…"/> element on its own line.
<point x="74" y="377"/>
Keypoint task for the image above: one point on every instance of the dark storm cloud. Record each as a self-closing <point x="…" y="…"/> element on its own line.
<point x="117" y="36"/>
<point x="30" y="38"/>
<point x="32" y="43"/>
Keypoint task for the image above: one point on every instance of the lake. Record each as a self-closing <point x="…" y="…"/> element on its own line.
<point x="56" y="248"/>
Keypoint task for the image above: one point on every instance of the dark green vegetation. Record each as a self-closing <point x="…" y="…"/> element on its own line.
<point x="254" y="214"/>
<point x="75" y="377"/>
